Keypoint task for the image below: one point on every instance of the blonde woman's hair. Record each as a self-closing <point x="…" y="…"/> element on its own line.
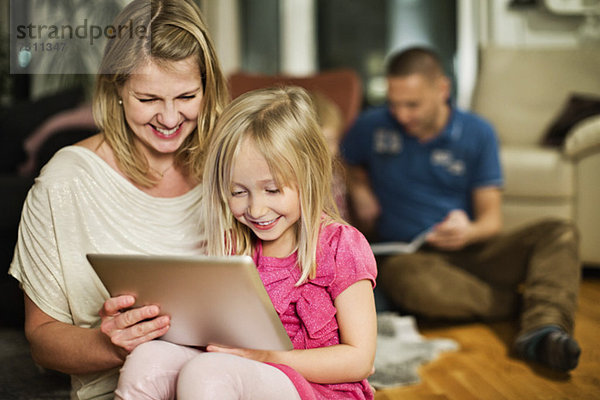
<point x="158" y="31"/>
<point x="281" y="123"/>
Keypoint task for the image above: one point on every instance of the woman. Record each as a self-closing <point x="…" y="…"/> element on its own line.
<point x="133" y="188"/>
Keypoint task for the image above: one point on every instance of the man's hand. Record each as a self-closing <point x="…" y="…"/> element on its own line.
<point x="128" y="329"/>
<point x="453" y="233"/>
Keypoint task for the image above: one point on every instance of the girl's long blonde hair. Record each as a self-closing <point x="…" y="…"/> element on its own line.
<point x="158" y="31"/>
<point x="281" y="122"/>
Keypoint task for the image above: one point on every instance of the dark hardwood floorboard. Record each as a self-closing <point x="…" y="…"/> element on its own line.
<point x="483" y="368"/>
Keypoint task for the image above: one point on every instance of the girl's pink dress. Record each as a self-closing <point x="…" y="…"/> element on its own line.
<point x="307" y="311"/>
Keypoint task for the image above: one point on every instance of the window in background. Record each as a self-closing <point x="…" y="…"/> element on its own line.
<point x="360" y="34"/>
<point x="59" y="44"/>
<point x="356" y="34"/>
<point x="353" y="34"/>
<point x="260" y="36"/>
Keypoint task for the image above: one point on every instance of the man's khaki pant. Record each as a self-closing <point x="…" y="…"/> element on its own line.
<point x="535" y="271"/>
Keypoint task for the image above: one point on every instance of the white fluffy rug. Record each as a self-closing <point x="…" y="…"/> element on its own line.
<point x="401" y="350"/>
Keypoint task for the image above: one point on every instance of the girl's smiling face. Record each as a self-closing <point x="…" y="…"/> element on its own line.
<point x="162" y="103"/>
<point x="272" y="212"/>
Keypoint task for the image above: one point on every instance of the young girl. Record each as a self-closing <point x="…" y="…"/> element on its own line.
<point x="267" y="188"/>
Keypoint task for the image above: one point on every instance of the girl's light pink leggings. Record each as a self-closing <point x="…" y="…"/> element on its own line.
<point x="162" y="370"/>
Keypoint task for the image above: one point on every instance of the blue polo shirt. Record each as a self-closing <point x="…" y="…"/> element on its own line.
<point x="417" y="184"/>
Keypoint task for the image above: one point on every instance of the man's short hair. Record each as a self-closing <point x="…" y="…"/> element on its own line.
<point x="415" y="60"/>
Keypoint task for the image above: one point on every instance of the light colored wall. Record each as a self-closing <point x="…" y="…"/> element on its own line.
<point x="494" y="23"/>
<point x="468" y="27"/>
<point x="298" y="37"/>
<point x="222" y="18"/>
<point x="527" y="27"/>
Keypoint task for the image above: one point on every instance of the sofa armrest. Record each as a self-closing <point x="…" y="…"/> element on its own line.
<point x="584" y="138"/>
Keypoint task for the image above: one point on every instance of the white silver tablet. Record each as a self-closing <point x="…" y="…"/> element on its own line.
<point x="211" y="300"/>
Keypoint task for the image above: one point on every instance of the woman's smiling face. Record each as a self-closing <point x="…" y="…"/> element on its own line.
<point x="162" y="103"/>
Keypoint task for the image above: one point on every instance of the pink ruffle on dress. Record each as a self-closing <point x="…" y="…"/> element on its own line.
<point x="307" y="311"/>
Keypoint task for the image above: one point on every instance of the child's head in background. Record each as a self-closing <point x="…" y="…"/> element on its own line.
<point x="268" y="175"/>
<point x="331" y="121"/>
<point x="329" y="118"/>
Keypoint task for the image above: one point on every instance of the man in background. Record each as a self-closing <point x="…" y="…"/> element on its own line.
<point x="420" y="164"/>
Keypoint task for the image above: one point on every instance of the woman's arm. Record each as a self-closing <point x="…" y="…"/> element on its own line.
<point x="351" y="360"/>
<point x="76" y="350"/>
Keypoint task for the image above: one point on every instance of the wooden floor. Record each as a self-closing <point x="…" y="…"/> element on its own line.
<point x="483" y="370"/>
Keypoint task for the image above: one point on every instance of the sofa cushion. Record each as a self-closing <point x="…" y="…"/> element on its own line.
<point x="521" y="90"/>
<point x="517" y="213"/>
<point x="576" y="109"/>
<point x="531" y="171"/>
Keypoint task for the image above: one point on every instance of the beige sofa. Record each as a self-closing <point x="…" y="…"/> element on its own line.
<point x="521" y="92"/>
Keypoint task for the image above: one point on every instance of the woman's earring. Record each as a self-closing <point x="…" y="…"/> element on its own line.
<point x="120" y="102"/>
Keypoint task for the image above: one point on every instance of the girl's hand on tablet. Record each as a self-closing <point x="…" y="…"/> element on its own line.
<point x="128" y="328"/>
<point x="257" y="355"/>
